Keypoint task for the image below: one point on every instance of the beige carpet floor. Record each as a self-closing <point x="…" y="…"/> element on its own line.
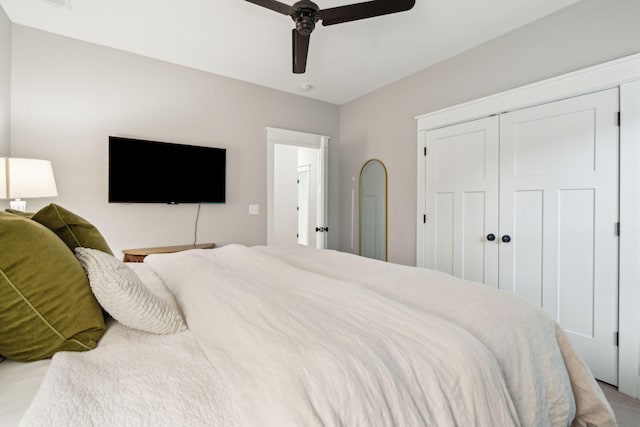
<point x="627" y="409"/>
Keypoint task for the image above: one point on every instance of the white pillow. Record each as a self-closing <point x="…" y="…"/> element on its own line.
<point x="123" y="295"/>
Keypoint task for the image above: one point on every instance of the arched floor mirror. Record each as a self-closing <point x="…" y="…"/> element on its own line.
<point x="373" y="210"/>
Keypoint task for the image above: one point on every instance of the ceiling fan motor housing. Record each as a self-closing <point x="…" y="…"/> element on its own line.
<point x="304" y="15"/>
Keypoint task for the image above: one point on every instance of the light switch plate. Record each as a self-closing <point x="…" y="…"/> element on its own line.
<point x="254" y="209"/>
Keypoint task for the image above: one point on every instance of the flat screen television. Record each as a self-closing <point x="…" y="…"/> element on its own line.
<point x="142" y="171"/>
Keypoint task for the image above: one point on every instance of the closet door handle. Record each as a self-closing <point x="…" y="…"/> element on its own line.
<point x="506" y="238"/>
<point x="491" y="237"/>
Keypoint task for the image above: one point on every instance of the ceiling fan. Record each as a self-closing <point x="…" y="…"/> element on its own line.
<point x="306" y="13"/>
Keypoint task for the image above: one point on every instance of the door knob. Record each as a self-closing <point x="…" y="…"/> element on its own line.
<point x="491" y="237"/>
<point x="506" y="238"/>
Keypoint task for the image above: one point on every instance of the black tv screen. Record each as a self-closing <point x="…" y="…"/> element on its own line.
<point x="143" y="171"/>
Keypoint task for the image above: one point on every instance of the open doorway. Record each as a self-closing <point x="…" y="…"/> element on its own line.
<point x="296" y="188"/>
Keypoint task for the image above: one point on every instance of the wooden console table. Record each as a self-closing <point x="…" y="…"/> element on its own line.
<point x="138" y="255"/>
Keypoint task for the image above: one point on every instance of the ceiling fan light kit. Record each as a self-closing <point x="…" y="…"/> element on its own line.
<point x="306" y="14"/>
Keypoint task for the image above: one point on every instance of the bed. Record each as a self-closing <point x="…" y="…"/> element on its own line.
<point x="288" y="335"/>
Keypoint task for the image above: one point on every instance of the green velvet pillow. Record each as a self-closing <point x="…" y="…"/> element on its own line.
<point x="24" y="214"/>
<point x="74" y="230"/>
<point x="46" y="303"/>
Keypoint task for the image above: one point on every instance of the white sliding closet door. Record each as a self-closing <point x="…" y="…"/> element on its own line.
<point x="462" y="200"/>
<point x="559" y="206"/>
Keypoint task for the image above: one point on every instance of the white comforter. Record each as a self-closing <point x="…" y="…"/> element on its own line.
<point x="547" y="380"/>
<point x="300" y="337"/>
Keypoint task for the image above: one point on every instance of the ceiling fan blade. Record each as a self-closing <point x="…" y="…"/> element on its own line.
<point x="367" y="9"/>
<point x="300" y="45"/>
<point x="274" y="5"/>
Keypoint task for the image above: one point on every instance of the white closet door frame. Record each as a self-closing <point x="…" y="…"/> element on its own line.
<point x="625" y="74"/>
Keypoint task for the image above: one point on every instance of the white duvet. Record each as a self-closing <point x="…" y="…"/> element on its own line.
<point x="299" y="337"/>
<point x="547" y="379"/>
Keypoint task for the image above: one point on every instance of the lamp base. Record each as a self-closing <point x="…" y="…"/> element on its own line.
<point x="18" y="205"/>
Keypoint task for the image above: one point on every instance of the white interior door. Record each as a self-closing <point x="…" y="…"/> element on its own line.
<point x="559" y="207"/>
<point x="462" y="200"/>
<point x="303" y="205"/>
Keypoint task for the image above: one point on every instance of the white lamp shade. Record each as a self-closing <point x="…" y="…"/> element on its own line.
<point x="3" y="178"/>
<point x="26" y="178"/>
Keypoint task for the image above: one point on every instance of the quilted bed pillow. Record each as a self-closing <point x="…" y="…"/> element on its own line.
<point x="46" y="304"/>
<point x="74" y="230"/>
<point x="123" y="295"/>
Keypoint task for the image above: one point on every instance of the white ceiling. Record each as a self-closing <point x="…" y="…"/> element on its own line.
<point x="241" y="40"/>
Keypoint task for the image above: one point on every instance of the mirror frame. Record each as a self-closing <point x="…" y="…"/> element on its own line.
<point x="386" y="208"/>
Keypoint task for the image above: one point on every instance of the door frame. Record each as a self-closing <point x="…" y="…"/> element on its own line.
<point x="306" y="140"/>
<point x="623" y="73"/>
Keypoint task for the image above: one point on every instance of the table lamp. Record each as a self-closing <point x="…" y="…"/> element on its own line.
<point x="25" y="179"/>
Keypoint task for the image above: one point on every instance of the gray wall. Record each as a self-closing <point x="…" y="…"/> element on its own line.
<point x="5" y="83"/>
<point x="69" y="96"/>
<point x="382" y="125"/>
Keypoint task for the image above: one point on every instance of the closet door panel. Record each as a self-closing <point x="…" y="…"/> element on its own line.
<point x="576" y="261"/>
<point x="443" y="237"/>
<point x="528" y="263"/>
<point x="567" y="151"/>
<point x="554" y="144"/>
<point x="473" y="240"/>
<point x="462" y="200"/>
